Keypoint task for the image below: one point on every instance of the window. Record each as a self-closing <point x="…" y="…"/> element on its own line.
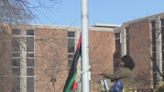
<point x="30" y="42"/>
<point x="118" y="45"/>
<point x="16" y="84"/>
<point x="162" y="30"/>
<point x="71" y="34"/>
<point x="117" y="54"/>
<point x="30" y="32"/>
<point x="30" y="60"/>
<point x="17" y="42"/>
<point x="117" y="35"/>
<point x="16" y="60"/>
<point x="162" y="22"/>
<point x="15" y="31"/>
<point x="153" y="25"/>
<point x="30" y="84"/>
<point x="153" y="40"/>
<point x="127" y="40"/>
<point x="71" y="46"/>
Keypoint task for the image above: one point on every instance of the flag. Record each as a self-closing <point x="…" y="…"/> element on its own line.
<point x="70" y="82"/>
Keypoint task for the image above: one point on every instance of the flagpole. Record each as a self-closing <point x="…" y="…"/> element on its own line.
<point x="85" y="47"/>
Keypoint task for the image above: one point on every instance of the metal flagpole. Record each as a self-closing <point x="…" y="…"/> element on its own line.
<point x="85" y="47"/>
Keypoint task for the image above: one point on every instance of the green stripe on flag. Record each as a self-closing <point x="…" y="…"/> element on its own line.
<point x="70" y="83"/>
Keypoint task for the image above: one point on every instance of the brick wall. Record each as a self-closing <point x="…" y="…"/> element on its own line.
<point x="102" y="48"/>
<point x="5" y="61"/>
<point x="51" y="59"/>
<point x="139" y="49"/>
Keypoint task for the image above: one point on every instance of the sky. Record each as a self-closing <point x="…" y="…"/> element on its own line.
<point x="68" y="12"/>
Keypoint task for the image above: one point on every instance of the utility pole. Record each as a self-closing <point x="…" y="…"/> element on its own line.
<point x="85" y="47"/>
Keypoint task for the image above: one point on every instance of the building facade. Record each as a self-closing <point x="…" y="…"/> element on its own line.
<point x="143" y="39"/>
<point x="37" y="58"/>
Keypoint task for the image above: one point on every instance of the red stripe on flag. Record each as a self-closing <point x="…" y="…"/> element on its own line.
<point x="74" y="85"/>
<point x="79" y="43"/>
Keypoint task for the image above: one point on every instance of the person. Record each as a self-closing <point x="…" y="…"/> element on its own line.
<point x="123" y="76"/>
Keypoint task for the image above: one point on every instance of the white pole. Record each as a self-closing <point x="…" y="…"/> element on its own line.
<point x="85" y="47"/>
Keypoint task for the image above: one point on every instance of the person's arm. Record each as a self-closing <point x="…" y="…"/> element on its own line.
<point x="116" y="76"/>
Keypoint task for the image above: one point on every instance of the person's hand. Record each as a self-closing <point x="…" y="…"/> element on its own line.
<point x="101" y="74"/>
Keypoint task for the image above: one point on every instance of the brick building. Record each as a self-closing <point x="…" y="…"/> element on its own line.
<point x="143" y="39"/>
<point x="37" y="58"/>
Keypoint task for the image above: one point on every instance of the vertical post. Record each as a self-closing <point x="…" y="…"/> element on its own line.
<point x="23" y="67"/>
<point x="85" y="47"/>
<point x="123" y="40"/>
<point x="159" y="45"/>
